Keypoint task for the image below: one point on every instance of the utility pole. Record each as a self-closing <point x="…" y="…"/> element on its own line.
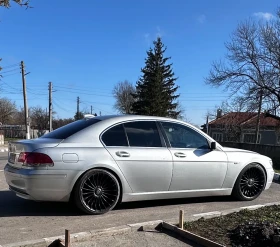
<point x="100" y="113"/>
<point x="207" y="124"/>
<point x="78" y="106"/>
<point x="91" y="109"/>
<point x="50" y="106"/>
<point x="259" y="116"/>
<point x="25" y="101"/>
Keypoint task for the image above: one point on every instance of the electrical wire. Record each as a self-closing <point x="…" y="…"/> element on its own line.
<point x="10" y="74"/>
<point x="10" y="66"/>
<point x="1" y="80"/>
<point x="9" y="71"/>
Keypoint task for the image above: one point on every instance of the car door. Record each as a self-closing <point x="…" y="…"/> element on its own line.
<point x="139" y="150"/>
<point x="196" y="166"/>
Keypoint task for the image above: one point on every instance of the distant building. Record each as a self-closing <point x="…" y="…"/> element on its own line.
<point x="241" y="127"/>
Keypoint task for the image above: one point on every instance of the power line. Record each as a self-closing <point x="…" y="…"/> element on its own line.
<point x="59" y="106"/>
<point x="11" y="74"/>
<point x="181" y="99"/>
<point x="10" y="66"/>
<point x="85" y="93"/>
<point x="10" y="71"/>
<point x="29" y="91"/>
<point x="110" y="90"/>
<point x="8" y="84"/>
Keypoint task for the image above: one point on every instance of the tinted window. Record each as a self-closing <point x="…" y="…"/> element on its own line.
<point x="70" y="129"/>
<point x="143" y="134"/>
<point x="181" y="136"/>
<point x="115" y="136"/>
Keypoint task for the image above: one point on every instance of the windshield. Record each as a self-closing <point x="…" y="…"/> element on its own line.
<point x="70" y="129"/>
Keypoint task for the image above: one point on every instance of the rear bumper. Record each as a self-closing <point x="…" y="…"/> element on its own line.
<point x="40" y="185"/>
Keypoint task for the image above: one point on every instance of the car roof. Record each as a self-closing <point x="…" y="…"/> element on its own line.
<point x="135" y="117"/>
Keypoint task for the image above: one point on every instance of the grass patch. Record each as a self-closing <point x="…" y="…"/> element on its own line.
<point x="278" y="171"/>
<point x="246" y="228"/>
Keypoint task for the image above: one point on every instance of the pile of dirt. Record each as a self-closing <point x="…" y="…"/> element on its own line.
<point x="244" y="228"/>
<point x="257" y="234"/>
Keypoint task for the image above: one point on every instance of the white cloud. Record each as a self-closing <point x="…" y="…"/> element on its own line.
<point x="201" y="19"/>
<point x="150" y="37"/>
<point x="147" y="38"/>
<point x="264" y="15"/>
<point x="159" y="32"/>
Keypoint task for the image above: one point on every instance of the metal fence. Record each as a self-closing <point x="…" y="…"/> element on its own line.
<point x="19" y="132"/>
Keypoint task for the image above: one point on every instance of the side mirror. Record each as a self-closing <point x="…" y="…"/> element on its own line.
<point x="213" y="145"/>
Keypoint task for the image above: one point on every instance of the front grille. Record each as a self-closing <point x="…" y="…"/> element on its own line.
<point x="18" y="190"/>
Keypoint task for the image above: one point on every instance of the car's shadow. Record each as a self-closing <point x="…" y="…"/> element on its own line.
<point x="11" y="205"/>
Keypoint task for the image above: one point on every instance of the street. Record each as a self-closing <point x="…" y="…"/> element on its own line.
<point x="22" y="220"/>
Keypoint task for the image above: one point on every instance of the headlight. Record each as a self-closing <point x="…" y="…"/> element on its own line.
<point x="271" y="163"/>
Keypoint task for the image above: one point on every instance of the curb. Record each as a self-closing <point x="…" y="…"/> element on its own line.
<point x="86" y="236"/>
<point x="191" y="236"/>
<point x="276" y="177"/>
<point x="142" y="226"/>
<point x="172" y="225"/>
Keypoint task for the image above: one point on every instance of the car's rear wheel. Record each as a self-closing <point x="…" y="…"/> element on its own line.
<point x="97" y="192"/>
<point x="250" y="183"/>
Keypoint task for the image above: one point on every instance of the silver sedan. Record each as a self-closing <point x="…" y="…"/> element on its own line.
<point x="98" y="162"/>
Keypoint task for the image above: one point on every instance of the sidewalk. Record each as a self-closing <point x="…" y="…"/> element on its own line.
<point x="138" y="239"/>
<point x="4" y="148"/>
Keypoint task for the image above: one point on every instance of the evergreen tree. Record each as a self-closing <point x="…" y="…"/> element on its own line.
<point x="155" y="90"/>
<point x="79" y="115"/>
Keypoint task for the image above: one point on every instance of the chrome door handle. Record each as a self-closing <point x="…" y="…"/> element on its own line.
<point x="180" y="155"/>
<point x="122" y="154"/>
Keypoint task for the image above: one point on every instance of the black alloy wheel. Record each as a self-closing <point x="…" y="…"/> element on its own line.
<point x="250" y="183"/>
<point x="97" y="192"/>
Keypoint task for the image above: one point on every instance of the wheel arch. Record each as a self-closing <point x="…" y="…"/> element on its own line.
<point x="100" y="168"/>
<point x="252" y="163"/>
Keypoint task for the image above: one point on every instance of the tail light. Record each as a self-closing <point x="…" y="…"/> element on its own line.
<point x="35" y="159"/>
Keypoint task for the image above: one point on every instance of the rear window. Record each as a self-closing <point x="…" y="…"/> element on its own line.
<point x="70" y="129"/>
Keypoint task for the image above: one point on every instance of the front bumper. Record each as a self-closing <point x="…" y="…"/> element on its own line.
<point x="39" y="184"/>
<point x="270" y="175"/>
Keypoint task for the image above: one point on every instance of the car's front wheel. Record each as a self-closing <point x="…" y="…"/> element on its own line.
<point x="250" y="183"/>
<point x="97" y="192"/>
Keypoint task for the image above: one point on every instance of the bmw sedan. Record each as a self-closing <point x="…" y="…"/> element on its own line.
<point x="98" y="162"/>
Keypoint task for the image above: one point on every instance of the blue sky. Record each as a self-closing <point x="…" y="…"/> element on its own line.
<point x="85" y="48"/>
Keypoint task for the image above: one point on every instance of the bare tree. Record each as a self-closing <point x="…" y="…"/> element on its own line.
<point x="18" y="117"/>
<point x="39" y="118"/>
<point x="123" y="94"/>
<point x="57" y="123"/>
<point x="7" y="109"/>
<point x="7" y="3"/>
<point x="252" y="63"/>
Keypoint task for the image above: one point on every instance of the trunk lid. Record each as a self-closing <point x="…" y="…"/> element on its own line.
<point x="15" y="148"/>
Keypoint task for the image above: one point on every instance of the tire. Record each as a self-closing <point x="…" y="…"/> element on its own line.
<point x="250" y="183"/>
<point x="97" y="192"/>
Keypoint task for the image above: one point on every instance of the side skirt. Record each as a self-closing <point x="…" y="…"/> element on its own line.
<point x="129" y="197"/>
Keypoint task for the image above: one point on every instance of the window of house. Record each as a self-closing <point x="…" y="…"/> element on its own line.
<point x="217" y="136"/>
<point x="143" y="134"/>
<point x="115" y="136"/>
<point x="181" y="136"/>
<point x="250" y="138"/>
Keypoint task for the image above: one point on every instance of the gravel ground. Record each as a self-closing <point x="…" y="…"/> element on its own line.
<point x="141" y="239"/>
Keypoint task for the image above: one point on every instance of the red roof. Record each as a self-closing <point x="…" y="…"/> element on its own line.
<point x="246" y="119"/>
<point x="234" y="118"/>
<point x="264" y="121"/>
